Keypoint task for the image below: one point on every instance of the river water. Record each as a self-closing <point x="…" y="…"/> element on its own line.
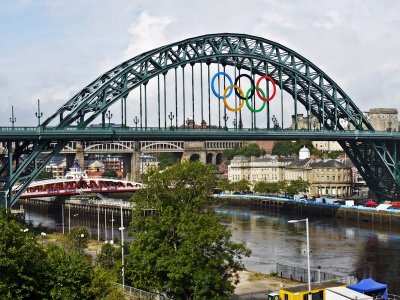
<point x="358" y="249"/>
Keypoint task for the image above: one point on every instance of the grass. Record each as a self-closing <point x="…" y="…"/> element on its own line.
<point x="257" y="276"/>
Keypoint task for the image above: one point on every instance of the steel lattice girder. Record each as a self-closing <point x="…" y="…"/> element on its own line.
<point x="314" y="89"/>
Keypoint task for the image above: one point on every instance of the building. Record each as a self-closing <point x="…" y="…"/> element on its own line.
<point x="383" y="118"/>
<point x="327" y="146"/>
<point x="147" y="161"/>
<point x="326" y="177"/>
<point x="268" y="168"/>
<point x="330" y="177"/>
<point x="57" y="167"/>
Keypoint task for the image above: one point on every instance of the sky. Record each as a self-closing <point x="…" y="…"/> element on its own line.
<point x="51" y="49"/>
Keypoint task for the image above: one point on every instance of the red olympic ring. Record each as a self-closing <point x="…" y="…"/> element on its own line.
<point x="266" y="99"/>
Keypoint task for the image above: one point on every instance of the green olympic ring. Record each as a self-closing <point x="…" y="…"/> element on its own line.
<point x="249" y="91"/>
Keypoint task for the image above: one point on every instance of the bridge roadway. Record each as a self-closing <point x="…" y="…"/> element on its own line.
<point x="189" y="134"/>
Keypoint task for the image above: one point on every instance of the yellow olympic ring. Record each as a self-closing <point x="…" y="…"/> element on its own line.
<point x="226" y="103"/>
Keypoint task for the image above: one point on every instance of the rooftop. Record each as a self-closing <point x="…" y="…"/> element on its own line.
<point x="314" y="286"/>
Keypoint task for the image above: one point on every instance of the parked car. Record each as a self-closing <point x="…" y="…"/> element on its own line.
<point x="371" y="204"/>
<point x="395" y="205"/>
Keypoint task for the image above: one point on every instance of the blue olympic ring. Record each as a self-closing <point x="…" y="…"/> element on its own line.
<point x="213" y="88"/>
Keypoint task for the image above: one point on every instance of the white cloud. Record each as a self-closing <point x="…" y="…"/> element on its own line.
<point x="355" y="42"/>
<point x="146" y="33"/>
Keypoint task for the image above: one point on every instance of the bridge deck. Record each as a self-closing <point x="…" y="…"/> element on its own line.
<point x="188" y="134"/>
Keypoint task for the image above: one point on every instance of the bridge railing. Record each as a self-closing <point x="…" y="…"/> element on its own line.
<point x="141" y="294"/>
<point x="107" y="129"/>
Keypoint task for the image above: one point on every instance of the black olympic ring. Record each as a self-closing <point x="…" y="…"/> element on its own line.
<point x="252" y="86"/>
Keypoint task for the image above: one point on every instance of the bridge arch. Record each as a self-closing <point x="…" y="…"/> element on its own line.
<point x="294" y="74"/>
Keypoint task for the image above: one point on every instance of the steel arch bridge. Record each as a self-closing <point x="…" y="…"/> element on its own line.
<point x="374" y="154"/>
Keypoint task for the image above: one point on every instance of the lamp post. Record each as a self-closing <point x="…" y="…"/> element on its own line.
<point x="43" y="234"/>
<point x="234" y="122"/>
<point x="136" y="121"/>
<point x="225" y="117"/>
<point x="390" y="126"/>
<point x="171" y="117"/>
<point x="109" y="115"/>
<point x="12" y="119"/>
<point x="275" y="121"/>
<point x="315" y="124"/>
<point x="38" y="114"/>
<point x="122" y="248"/>
<point x="187" y="122"/>
<point x="308" y="253"/>
<point x="112" y="226"/>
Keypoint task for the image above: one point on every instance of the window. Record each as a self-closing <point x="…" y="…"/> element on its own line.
<point x="286" y="296"/>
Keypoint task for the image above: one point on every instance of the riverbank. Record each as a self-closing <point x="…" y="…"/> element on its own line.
<point x="360" y="214"/>
<point x="254" y="285"/>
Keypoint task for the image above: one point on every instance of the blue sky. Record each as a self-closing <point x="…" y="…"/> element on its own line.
<point x="50" y="49"/>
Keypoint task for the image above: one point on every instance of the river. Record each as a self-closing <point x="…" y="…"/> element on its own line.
<point x="359" y="249"/>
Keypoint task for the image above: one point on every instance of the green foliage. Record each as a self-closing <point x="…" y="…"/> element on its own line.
<point x="224" y="185"/>
<point x="334" y="154"/>
<point x="45" y="175"/>
<point x="102" y="287"/>
<point x="297" y="186"/>
<point x="166" y="159"/>
<point x="109" y="257"/>
<point x="268" y="188"/>
<point x="70" y="274"/>
<point x="242" y="186"/>
<point x="182" y="250"/>
<point x="77" y="240"/>
<point x="248" y="151"/>
<point x="22" y="272"/>
<point x="109" y="174"/>
<point x="286" y="148"/>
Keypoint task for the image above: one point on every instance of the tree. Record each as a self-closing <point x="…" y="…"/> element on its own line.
<point x="70" y="274"/>
<point x="22" y="271"/>
<point x="45" y="175"/>
<point x="286" y="148"/>
<point x="224" y="185"/>
<point x="182" y="249"/>
<point x="260" y="187"/>
<point x="248" y="151"/>
<point x="166" y="159"/>
<point x="334" y="154"/>
<point x="242" y="186"/>
<point x="297" y="186"/>
<point x="102" y="286"/>
<point x="109" y="174"/>
<point x="77" y="240"/>
<point x="109" y="257"/>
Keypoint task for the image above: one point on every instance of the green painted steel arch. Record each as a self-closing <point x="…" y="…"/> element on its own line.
<point x="307" y="83"/>
<point x="315" y="89"/>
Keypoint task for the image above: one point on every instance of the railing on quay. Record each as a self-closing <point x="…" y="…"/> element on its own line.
<point x="300" y="274"/>
<point x="141" y="294"/>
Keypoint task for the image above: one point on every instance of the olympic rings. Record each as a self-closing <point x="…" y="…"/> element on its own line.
<point x="252" y="85"/>
<point x="249" y="91"/>
<point x="239" y="92"/>
<point x="273" y="85"/>
<point x="225" y="96"/>
<point x="213" y="81"/>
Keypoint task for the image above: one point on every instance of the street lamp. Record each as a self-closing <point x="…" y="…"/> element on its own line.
<point x="275" y="121"/>
<point x="308" y="253"/>
<point x="109" y="115"/>
<point x="12" y="119"/>
<point x="234" y="122"/>
<point x="43" y="234"/>
<point x="122" y="248"/>
<point x="225" y="117"/>
<point x="171" y="117"/>
<point x="136" y="121"/>
<point x="38" y="114"/>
